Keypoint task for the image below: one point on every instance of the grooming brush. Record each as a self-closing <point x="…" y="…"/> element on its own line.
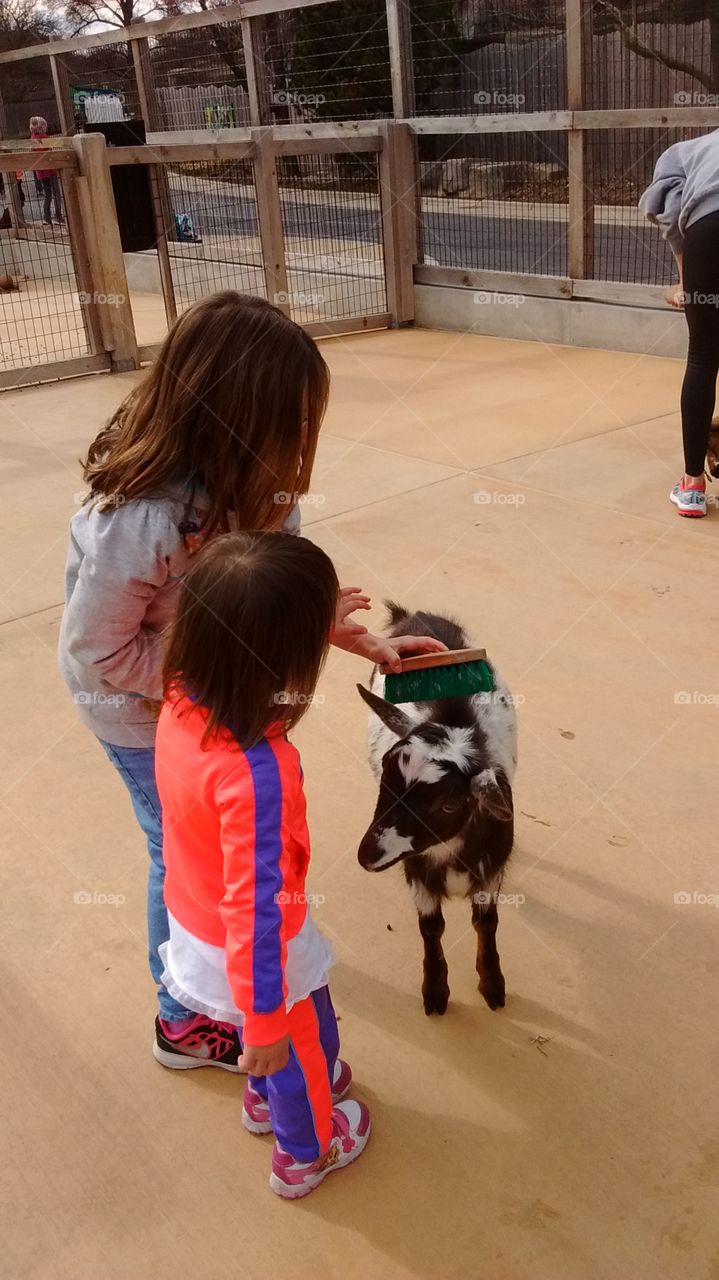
<point x="456" y="673"/>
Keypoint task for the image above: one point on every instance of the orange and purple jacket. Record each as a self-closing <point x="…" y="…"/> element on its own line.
<point x="236" y="849"/>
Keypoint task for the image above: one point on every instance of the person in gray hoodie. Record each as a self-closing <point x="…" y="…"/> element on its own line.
<point x="683" y="201"/>
<point x="221" y="434"/>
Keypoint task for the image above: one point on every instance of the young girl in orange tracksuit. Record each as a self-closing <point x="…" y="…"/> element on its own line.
<point x="251" y="634"/>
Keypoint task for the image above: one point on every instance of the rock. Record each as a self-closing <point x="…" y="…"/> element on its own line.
<point x="430" y="175"/>
<point x="454" y="176"/>
<point x="485" y="181"/>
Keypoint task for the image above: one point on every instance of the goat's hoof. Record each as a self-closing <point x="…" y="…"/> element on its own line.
<point x="493" y="992"/>
<point x="435" y="999"/>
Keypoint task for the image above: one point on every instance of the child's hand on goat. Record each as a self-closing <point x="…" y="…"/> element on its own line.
<point x="388" y="653"/>
<point x="265" y="1059"/>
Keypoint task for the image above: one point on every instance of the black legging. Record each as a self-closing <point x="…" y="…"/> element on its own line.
<point x="700" y="270"/>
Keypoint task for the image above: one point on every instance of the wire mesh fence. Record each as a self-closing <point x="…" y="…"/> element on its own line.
<point x="494" y="202"/>
<point x="41" y="316"/>
<point x="481" y="57"/>
<point x="200" y="79"/>
<point x="626" y="246"/>
<point x="327" y="62"/>
<point x="216" y="205"/>
<point x="103" y="84"/>
<point x="331" y="220"/>
<point x="662" y="55"/>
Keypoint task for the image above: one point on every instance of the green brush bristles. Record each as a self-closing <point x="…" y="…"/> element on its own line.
<point x="430" y="683"/>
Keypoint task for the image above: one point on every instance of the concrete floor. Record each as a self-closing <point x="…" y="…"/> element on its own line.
<point x="523" y="487"/>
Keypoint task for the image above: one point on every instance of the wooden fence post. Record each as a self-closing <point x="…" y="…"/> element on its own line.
<point x="150" y="112"/>
<point x="580" y="231"/>
<point x="398" y="202"/>
<point x="105" y="251"/>
<point x="269" y="215"/>
<point x="256" y="72"/>
<point x="63" y="96"/>
<point x="399" y="35"/>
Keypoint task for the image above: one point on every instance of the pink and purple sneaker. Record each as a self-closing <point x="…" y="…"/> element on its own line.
<point x="292" y="1178"/>
<point x="196" y="1042"/>
<point x="256" y="1111"/>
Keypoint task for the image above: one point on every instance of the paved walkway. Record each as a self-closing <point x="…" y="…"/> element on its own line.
<point x="572" y="1135"/>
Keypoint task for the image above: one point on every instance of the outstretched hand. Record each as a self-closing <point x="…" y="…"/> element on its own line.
<point x="345" y="630"/>
<point x="387" y="653"/>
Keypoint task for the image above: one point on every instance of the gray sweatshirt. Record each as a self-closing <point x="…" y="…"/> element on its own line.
<point x="685" y="187"/>
<point x="122" y="577"/>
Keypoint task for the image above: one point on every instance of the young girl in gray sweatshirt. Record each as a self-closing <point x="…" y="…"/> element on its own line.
<point x="221" y="434"/>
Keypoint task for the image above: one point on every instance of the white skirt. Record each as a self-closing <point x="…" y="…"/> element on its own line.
<point x="196" y="975"/>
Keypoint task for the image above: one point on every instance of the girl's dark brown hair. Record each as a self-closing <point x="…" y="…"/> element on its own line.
<point x="252" y="631"/>
<point x="234" y="402"/>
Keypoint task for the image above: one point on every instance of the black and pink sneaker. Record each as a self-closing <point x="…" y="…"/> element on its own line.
<point x="292" y="1178"/>
<point x="196" y="1042"/>
<point x="256" y="1111"/>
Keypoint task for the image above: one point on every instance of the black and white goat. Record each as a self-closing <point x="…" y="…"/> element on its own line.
<point x="444" y="810"/>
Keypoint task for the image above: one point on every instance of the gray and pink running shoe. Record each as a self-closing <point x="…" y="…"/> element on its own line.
<point x="197" y="1042"/>
<point x="292" y="1178"/>
<point x="256" y="1112"/>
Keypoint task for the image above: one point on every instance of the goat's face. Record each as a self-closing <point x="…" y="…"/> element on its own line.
<point x="433" y="782"/>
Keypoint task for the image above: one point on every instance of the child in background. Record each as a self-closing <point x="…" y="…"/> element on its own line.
<point x="249" y="640"/>
<point x="221" y="433"/>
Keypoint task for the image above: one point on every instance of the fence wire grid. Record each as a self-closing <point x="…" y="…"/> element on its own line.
<point x="41" y="317"/>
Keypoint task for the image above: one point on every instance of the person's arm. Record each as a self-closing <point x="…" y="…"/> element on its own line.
<point x="354" y="638"/>
<point x="127" y="560"/>
<point x="251" y="804"/>
<point x="675" y="294"/>
<point x="661" y="203"/>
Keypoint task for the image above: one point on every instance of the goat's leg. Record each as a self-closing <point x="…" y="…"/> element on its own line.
<point x="491" y="979"/>
<point x="435" y="988"/>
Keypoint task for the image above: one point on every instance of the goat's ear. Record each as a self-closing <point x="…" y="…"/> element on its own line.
<point x="493" y="792"/>
<point x="388" y="713"/>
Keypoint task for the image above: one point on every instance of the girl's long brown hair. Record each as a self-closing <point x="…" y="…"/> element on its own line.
<point x="234" y="402"/>
<point x="251" y="632"/>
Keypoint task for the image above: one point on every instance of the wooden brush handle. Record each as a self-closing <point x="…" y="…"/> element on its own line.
<point x="448" y="658"/>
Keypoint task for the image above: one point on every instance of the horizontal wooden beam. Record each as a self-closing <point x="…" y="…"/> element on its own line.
<point x="183" y="153"/>
<point x="325" y="146"/>
<point x="561" y="288"/>
<point x="53" y="158"/>
<point x="495" y="281"/>
<point x="164" y="26"/>
<point x="648" y="118"/>
<point x="50" y="370"/>
<point x="622" y="295"/>
<point x="506" y="122"/>
<point x="563" y="121"/>
<point x="336" y="328"/>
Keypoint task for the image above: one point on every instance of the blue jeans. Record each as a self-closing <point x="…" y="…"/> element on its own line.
<point x="136" y="767"/>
